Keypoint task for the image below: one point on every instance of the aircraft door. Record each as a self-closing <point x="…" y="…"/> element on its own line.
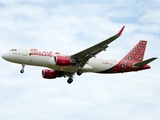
<point x="24" y="52"/>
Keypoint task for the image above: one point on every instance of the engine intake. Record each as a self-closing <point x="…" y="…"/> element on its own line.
<point x="63" y="60"/>
<point x="51" y="74"/>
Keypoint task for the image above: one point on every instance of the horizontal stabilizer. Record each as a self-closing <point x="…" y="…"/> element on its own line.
<point x="145" y="62"/>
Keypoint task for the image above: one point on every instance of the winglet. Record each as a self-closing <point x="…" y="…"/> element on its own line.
<point x="120" y="32"/>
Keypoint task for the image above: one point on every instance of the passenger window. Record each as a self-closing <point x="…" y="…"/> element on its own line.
<point x="13" y="50"/>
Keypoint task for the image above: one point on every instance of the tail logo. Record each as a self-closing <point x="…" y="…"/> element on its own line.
<point x="134" y="56"/>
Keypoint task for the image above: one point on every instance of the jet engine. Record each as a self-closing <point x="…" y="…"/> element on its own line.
<point x="51" y="74"/>
<point x="63" y="61"/>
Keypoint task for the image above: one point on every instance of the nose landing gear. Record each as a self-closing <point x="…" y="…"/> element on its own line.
<point x="22" y="70"/>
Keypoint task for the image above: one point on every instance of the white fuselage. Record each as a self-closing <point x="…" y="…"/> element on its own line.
<point x="46" y="59"/>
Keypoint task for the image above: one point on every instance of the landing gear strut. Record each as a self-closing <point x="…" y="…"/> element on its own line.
<point x="70" y="80"/>
<point x="22" y="70"/>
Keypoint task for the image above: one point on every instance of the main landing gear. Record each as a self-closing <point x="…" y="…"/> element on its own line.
<point x="22" y="70"/>
<point x="79" y="72"/>
<point x="70" y="80"/>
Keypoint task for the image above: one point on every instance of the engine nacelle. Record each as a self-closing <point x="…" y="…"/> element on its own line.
<point x="50" y="74"/>
<point x="63" y="60"/>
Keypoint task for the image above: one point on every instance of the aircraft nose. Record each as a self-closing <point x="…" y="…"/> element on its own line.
<point x="5" y="56"/>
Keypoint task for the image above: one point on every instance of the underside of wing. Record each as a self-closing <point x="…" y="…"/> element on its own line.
<point x="82" y="57"/>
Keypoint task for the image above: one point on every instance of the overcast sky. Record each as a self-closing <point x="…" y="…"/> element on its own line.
<point x="69" y="27"/>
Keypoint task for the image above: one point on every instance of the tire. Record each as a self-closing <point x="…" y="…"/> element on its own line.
<point x="22" y="71"/>
<point x="70" y="80"/>
<point x="79" y="72"/>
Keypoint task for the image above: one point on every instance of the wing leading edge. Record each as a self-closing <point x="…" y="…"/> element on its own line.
<point x="82" y="57"/>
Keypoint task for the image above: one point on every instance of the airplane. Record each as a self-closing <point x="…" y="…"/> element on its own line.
<point x="61" y="65"/>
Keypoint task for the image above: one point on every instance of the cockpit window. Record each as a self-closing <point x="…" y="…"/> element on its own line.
<point x="13" y="50"/>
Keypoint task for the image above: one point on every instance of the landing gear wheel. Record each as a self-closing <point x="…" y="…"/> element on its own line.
<point x="22" y="71"/>
<point x="70" y="80"/>
<point x="79" y="72"/>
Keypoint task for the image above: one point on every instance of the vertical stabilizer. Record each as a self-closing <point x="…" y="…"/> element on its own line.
<point x="137" y="53"/>
<point x="134" y="56"/>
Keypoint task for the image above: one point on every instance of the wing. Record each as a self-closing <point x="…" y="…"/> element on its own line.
<point x="82" y="57"/>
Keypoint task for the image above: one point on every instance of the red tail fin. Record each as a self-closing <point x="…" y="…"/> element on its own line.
<point x="137" y="53"/>
<point x="134" y="56"/>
